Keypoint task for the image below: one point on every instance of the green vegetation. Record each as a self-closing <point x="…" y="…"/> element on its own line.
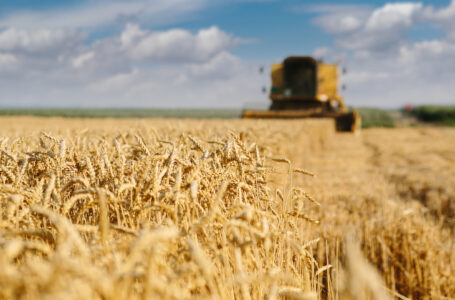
<point x="125" y="113"/>
<point x="444" y="115"/>
<point x="375" y="117"/>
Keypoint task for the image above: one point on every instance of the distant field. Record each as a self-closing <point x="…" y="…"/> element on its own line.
<point x="371" y="117"/>
<point x="444" y="115"/>
<point x="125" y="113"/>
<point x="376" y="117"/>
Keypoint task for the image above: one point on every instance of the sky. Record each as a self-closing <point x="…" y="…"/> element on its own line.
<point x="207" y="53"/>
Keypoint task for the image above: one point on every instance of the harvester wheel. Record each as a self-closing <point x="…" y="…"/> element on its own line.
<point x="350" y="122"/>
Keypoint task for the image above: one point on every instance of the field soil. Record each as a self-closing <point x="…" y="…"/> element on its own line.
<point x="376" y="221"/>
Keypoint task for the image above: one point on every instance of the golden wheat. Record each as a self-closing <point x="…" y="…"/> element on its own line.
<point x="222" y="209"/>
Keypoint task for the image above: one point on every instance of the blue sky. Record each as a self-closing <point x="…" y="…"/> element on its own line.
<point x="284" y="27"/>
<point x="201" y="53"/>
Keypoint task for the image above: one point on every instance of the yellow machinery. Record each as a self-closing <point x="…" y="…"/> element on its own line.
<point x="305" y="88"/>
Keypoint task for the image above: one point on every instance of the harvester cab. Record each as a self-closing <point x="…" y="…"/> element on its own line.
<point x="303" y="87"/>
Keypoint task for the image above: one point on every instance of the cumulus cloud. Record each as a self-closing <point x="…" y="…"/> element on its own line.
<point x="443" y="14"/>
<point x="137" y="65"/>
<point x="321" y="52"/>
<point x="222" y="66"/>
<point x="385" y="66"/>
<point x="362" y="77"/>
<point x="82" y="59"/>
<point x="55" y="57"/>
<point x="53" y="49"/>
<point x="8" y="63"/>
<point x="7" y="59"/>
<point x="444" y="17"/>
<point x="177" y="44"/>
<point x="364" y="29"/>
<point x="116" y="82"/>
<point x="340" y="19"/>
<point x="393" y="16"/>
<point x="57" y="67"/>
<point x="383" y="29"/>
<point x="131" y="35"/>
<point x="433" y="49"/>
<point x="343" y="24"/>
<point x="38" y="41"/>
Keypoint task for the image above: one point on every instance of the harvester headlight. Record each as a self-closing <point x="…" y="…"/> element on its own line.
<point x="323" y="97"/>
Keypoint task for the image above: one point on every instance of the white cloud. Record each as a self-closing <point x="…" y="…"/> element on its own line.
<point x="116" y="82"/>
<point x="53" y="51"/>
<point x="385" y="68"/>
<point x="443" y="14"/>
<point x="138" y="67"/>
<point x="444" y="17"/>
<point x="38" y="41"/>
<point x="82" y="59"/>
<point x="322" y="52"/>
<point x="54" y="58"/>
<point x="178" y="44"/>
<point x="432" y="55"/>
<point x="131" y="35"/>
<point x="7" y="59"/>
<point x="158" y="87"/>
<point x="383" y="42"/>
<point x="366" y="30"/>
<point x="418" y="73"/>
<point x="7" y="62"/>
<point x="393" y="16"/>
<point x="341" y="24"/>
<point x="340" y="19"/>
<point x="362" y="77"/>
<point x="222" y="66"/>
<point x="168" y="90"/>
<point x="94" y="14"/>
<point x="350" y="23"/>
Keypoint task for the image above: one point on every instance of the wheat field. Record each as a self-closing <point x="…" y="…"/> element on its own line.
<point x="224" y="209"/>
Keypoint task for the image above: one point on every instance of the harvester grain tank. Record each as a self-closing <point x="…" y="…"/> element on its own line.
<point x="303" y="87"/>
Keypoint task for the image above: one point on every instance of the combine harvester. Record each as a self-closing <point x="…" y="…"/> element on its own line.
<point x="305" y="88"/>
